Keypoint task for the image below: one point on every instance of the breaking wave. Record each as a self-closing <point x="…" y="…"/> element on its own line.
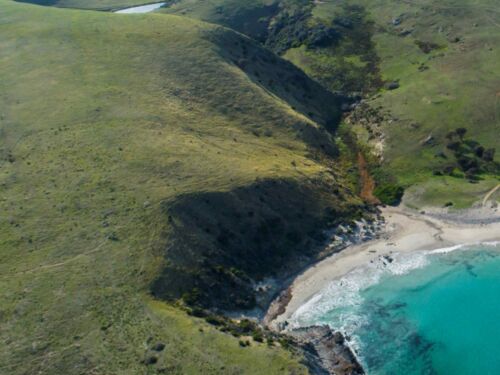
<point x="340" y="303"/>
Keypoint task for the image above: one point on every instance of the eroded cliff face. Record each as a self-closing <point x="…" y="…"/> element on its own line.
<point x="327" y="352"/>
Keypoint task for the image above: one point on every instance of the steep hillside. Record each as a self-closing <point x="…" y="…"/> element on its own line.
<point x="125" y="143"/>
<point x="336" y="50"/>
<point x="435" y="64"/>
<point x="251" y="18"/>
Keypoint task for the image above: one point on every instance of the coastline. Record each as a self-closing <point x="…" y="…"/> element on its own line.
<point x="405" y="231"/>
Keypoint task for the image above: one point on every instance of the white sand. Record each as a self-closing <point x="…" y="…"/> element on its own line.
<point x="406" y="231"/>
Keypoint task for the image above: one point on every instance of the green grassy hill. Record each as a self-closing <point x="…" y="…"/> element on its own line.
<point x="335" y="49"/>
<point x="138" y="148"/>
<point x="442" y="54"/>
<point x="248" y="17"/>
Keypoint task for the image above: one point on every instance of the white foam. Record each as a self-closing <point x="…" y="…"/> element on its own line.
<point x="490" y="243"/>
<point x="344" y="293"/>
<point x="445" y="250"/>
<point x="345" y="298"/>
<point x="402" y="264"/>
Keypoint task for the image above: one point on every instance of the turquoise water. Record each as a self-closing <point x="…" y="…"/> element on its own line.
<point x="427" y="313"/>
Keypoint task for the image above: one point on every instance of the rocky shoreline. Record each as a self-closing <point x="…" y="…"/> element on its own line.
<point x="326" y="352"/>
<point x="403" y="230"/>
<point x="274" y="294"/>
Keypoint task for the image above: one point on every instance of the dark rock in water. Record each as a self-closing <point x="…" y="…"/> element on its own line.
<point x="470" y="269"/>
<point x="327" y="352"/>
<point x="388" y="258"/>
<point x="338" y="338"/>
<point x="392" y="85"/>
<point x="397" y="305"/>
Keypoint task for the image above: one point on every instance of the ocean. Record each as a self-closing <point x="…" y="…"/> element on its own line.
<point x="429" y="312"/>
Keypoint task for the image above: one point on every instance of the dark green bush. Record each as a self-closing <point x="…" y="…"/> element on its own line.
<point x="489" y="154"/>
<point x="258" y="336"/>
<point x="389" y="194"/>
<point x="215" y="320"/>
<point x="454" y="145"/>
<point x="192" y="297"/>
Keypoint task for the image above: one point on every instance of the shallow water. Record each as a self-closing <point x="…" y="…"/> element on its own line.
<point x="425" y="313"/>
<point x="141" y="9"/>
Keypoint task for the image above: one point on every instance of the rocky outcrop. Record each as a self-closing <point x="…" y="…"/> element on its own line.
<point x="326" y="351"/>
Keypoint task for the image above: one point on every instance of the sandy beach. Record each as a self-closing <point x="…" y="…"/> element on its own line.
<point x="405" y="231"/>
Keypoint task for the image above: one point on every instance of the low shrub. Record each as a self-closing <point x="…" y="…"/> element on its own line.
<point x="390" y="194"/>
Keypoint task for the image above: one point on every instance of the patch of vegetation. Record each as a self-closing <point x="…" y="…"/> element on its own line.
<point x="292" y="27"/>
<point x="467" y="156"/>
<point x="347" y="60"/>
<point x="427" y="47"/>
<point x="243" y="329"/>
<point x="389" y="194"/>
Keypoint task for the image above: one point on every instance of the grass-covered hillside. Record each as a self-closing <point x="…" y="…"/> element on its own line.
<point x="150" y="154"/>
<point x="249" y="17"/>
<point x="435" y="64"/>
<point x="444" y="56"/>
<point x="337" y="50"/>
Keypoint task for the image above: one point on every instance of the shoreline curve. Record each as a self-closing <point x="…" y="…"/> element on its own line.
<point x="406" y="231"/>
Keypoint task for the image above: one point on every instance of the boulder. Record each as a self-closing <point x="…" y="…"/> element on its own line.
<point x="330" y="349"/>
